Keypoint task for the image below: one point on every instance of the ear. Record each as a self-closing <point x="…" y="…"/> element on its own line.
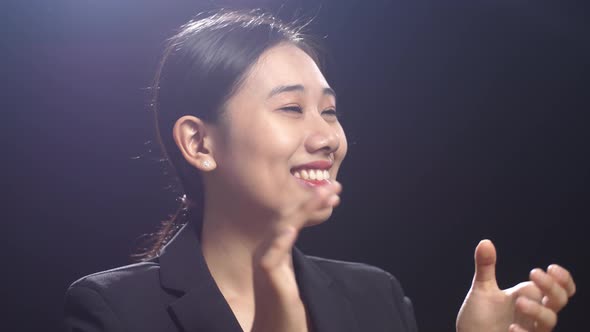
<point x="195" y="141"/>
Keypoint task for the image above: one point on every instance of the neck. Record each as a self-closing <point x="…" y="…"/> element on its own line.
<point x="229" y="239"/>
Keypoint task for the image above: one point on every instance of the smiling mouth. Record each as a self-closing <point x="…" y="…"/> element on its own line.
<point x="312" y="177"/>
<point x="311" y="174"/>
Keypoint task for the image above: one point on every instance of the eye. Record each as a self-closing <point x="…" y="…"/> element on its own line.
<point x="296" y="109"/>
<point x="331" y="112"/>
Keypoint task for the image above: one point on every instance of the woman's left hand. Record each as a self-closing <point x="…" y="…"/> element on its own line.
<point x="278" y="305"/>
<point x="530" y="306"/>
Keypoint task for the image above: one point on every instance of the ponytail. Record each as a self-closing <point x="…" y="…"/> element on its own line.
<point x="186" y="212"/>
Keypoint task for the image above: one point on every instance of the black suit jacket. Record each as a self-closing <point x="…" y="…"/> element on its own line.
<point x="176" y="292"/>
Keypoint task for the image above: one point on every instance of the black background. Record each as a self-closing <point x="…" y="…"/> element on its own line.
<point x="465" y="120"/>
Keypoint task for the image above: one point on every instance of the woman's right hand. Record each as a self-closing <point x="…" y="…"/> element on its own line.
<point x="278" y="306"/>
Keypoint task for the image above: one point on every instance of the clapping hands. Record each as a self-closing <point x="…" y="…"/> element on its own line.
<point x="530" y="306"/>
<point x="278" y="306"/>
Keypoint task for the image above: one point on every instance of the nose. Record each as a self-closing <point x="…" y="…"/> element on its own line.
<point x="322" y="138"/>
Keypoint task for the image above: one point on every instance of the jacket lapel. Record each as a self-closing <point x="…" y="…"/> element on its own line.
<point x="202" y="307"/>
<point x="183" y="270"/>
<point x="329" y="309"/>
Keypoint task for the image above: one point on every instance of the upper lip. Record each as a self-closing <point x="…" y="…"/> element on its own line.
<point x="318" y="164"/>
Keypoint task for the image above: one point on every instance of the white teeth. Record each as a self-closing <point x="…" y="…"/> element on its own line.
<point x="304" y="175"/>
<point x="319" y="175"/>
<point x="312" y="174"/>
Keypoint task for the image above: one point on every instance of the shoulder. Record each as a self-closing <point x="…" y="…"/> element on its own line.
<point x="124" y="277"/>
<point x="119" y="288"/>
<point x="115" y="299"/>
<point x="368" y="286"/>
<point x="355" y="274"/>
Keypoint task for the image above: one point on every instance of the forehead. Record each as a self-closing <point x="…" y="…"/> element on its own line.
<point x="282" y="65"/>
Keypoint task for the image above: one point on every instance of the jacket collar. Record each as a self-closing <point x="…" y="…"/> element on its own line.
<point x="329" y="309"/>
<point x="202" y="307"/>
<point x="183" y="270"/>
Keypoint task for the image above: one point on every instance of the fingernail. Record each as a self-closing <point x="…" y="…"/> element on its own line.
<point x="555" y="269"/>
<point x="535" y="272"/>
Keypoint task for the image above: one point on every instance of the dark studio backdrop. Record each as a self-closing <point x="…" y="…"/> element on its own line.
<point x="465" y="120"/>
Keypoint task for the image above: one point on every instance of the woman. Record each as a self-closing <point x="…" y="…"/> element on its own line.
<point x="249" y="123"/>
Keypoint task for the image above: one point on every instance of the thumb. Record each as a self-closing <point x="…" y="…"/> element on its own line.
<point x="485" y="266"/>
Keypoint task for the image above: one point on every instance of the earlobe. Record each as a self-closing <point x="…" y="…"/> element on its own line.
<point x="191" y="138"/>
<point x="208" y="165"/>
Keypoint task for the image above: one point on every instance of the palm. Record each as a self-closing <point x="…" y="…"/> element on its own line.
<point x="490" y="310"/>
<point x="486" y="307"/>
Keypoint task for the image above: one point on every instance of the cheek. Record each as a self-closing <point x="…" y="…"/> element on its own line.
<point x="270" y="142"/>
<point x="343" y="143"/>
<point x="259" y="156"/>
<point x="343" y="146"/>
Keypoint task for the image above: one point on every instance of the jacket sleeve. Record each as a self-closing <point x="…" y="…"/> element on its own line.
<point x="87" y="311"/>
<point x="404" y="305"/>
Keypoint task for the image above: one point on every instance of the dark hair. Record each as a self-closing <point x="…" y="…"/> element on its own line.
<point x="202" y="67"/>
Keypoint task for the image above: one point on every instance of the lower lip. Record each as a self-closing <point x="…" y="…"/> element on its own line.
<point x="313" y="183"/>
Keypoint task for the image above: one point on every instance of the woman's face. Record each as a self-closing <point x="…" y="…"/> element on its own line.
<point x="280" y="119"/>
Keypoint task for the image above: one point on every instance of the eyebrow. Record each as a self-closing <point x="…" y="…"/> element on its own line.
<point x="297" y="87"/>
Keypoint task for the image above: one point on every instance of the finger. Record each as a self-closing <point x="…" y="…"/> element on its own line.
<point x="485" y="265"/>
<point x="516" y="328"/>
<point x="555" y="295"/>
<point x="334" y="190"/>
<point x="317" y="198"/>
<point x="323" y="196"/>
<point x="274" y="253"/>
<point x="563" y="277"/>
<point x="337" y="186"/>
<point x="545" y="318"/>
<point x="528" y="289"/>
